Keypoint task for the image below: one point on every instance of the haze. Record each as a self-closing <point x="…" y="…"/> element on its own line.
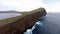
<point x="28" y="5"/>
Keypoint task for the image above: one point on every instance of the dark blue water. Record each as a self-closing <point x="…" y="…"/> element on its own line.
<point x="48" y="25"/>
<point x="38" y="28"/>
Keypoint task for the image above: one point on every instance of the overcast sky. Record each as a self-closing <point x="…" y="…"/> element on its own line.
<point x="27" y="5"/>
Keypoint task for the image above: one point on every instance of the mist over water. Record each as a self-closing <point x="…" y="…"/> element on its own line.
<point x="8" y="15"/>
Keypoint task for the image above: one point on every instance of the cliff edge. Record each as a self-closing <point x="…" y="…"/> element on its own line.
<point x="19" y="24"/>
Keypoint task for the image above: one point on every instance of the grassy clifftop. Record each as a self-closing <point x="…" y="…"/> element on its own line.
<point x="19" y="24"/>
<point x="10" y="20"/>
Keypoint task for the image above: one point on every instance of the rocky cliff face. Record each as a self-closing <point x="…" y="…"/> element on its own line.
<point x="20" y="25"/>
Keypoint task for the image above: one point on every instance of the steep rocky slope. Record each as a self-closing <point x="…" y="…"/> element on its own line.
<point x="19" y="24"/>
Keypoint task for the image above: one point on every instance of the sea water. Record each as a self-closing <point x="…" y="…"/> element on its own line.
<point x="38" y="28"/>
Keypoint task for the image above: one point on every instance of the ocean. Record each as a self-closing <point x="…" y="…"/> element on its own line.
<point x="48" y="25"/>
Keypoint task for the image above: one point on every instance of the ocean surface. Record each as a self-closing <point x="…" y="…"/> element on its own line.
<point x="48" y="25"/>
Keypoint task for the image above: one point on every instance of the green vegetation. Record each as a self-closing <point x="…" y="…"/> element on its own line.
<point x="10" y="20"/>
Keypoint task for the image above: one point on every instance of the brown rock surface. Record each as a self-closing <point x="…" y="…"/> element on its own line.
<point x="25" y="21"/>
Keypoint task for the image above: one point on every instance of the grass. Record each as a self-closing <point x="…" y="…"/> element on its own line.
<point x="10" y="20"/>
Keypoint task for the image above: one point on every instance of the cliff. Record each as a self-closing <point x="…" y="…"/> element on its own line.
<point x="19" y="24"/>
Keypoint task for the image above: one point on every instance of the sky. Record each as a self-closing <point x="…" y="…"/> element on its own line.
<point x="28" y="5"/>
<point x="52" y="5"/>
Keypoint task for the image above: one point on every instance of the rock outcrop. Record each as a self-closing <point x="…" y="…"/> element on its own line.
<point x="19" y="24"/>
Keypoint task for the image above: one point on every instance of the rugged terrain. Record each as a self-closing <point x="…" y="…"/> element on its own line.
<point x="19" y="24"/>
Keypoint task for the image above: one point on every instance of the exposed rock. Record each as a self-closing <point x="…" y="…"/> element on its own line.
<point x="21" y="23"/>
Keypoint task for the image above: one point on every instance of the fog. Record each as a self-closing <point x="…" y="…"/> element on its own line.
<point x="28" y="5"/>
